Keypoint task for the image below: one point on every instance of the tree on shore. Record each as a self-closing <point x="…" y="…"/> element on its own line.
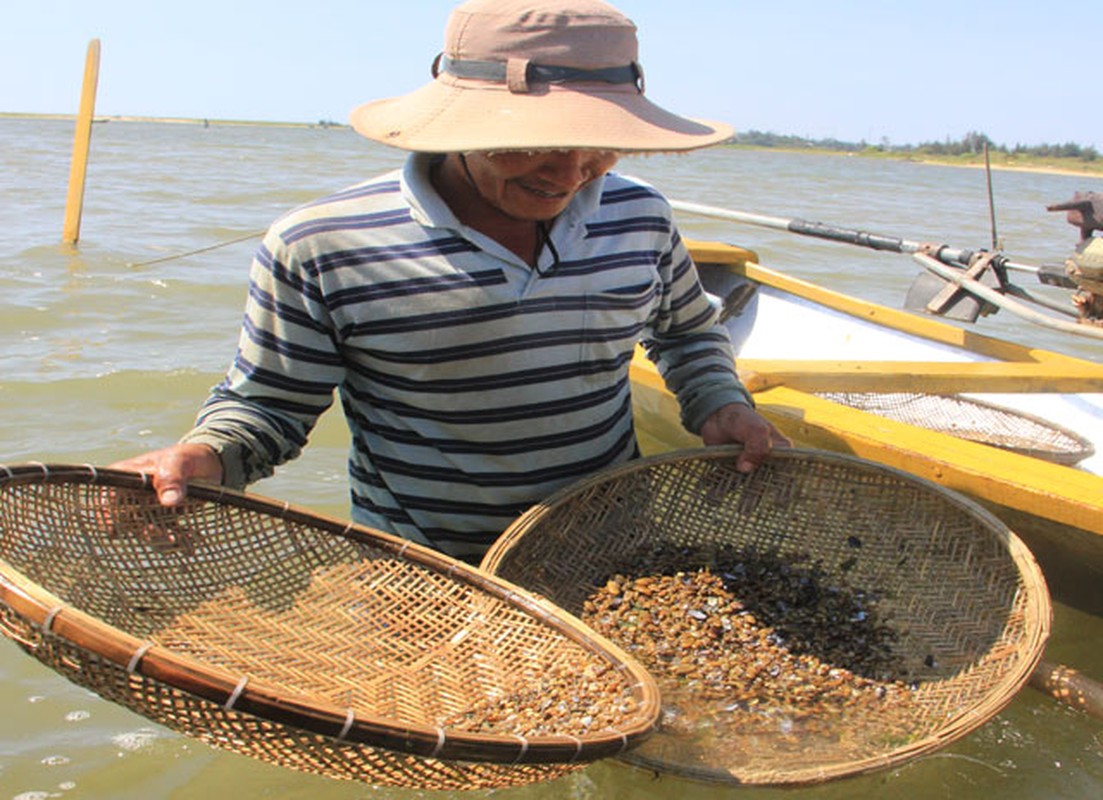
<point x="972" y="143"/>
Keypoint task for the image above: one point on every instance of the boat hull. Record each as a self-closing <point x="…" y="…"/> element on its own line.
<point x="1056" y="509"/>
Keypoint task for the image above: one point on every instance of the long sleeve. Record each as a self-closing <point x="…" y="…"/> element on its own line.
<point x="283" y="374"/>
<point x="691" y="349"/>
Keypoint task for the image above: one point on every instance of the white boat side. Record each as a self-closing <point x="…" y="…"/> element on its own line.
<point x="777" y="325"/>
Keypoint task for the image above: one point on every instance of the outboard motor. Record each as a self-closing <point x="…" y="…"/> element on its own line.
<point x="1085" y="211"/>
<point x="1085" y="266"/>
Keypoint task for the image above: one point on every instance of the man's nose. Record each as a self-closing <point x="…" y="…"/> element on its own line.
<point x="566" y="167"/>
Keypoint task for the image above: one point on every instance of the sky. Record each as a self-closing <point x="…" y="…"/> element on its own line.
<point x="881" y="72"/>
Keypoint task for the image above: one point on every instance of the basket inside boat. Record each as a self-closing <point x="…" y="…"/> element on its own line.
<point x="974" y="420"/>
<point x="304" y="641"/>
<point x="823" y="616"/>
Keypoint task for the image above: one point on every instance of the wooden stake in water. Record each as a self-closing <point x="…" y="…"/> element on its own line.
<point x="82" y="139"/>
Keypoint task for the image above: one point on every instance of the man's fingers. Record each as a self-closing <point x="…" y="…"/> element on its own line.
<point x="170" y="494"/>
<point x="755" y="450"/>
<point x="779" y="438"/>
<point x="171" y="469"/>
<point x="170" y="479"/>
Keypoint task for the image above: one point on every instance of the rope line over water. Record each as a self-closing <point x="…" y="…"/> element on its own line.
<point x="208" y="248"/>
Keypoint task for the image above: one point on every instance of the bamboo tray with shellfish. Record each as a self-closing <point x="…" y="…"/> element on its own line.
<point x="823" y="616"/>
<point x="308" y="642"/>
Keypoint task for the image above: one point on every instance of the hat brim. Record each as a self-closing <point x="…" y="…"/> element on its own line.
<point x="443" y="117"/>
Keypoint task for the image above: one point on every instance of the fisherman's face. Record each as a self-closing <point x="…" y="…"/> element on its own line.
<point x="536" y="185"/>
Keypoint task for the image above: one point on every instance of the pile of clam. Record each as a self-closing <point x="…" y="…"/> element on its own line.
<point x="754" y="640"/>
<point x="564" y="696"/>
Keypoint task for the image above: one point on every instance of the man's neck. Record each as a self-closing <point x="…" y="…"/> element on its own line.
<point x="455" y="186"/>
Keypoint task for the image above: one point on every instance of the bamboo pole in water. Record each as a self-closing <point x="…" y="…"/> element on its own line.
<point x="991" y="200"/>
<point x="1070" y="687"/>
<point x="82" y="140"/>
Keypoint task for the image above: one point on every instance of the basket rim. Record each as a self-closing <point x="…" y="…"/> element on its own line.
<point x="239" y="693"/>
<point x="534" y="513"/>
<point x="1037" y="610"/>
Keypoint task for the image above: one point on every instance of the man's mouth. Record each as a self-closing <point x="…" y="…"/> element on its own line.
<point x="546" y="194"/>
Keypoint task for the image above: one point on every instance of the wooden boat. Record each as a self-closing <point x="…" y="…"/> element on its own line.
<point x="797" y="342"/>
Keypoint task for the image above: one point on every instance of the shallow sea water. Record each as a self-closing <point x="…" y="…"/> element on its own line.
<point x="105" y="354"/>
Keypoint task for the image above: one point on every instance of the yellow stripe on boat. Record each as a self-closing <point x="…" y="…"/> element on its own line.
<point x="784" y="393"/>
<point x="926" y="377"/>
<point x="1062" y="494"/>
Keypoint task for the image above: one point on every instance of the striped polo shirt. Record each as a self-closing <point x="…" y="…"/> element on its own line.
<point x="472" y="384"/>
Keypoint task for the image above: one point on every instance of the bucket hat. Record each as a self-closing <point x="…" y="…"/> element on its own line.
<point x="532" y="75"/>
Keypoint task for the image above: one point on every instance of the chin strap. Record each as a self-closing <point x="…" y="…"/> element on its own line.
<point x="467" y="172"/>
<point x="543" y="238"/>
<point x="543" y="235"/>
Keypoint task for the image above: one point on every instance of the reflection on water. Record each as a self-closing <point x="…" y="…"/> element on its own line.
<point x="104" y="355"/>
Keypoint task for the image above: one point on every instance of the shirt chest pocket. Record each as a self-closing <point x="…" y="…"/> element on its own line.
<point x="612" y="322"/>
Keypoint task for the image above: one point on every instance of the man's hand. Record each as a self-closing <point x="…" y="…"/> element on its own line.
<point x="736" y="423"/>
<point x="171" y="468"/>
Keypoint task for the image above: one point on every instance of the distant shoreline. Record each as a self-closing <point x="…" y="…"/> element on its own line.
<point x="1029" y="164"/>
<point x="102" y="118"/>
<point x="998" y="162"/>
<point x="1040" y="169"/>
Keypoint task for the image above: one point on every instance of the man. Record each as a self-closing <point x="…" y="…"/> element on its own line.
<point x="477" y="311"/>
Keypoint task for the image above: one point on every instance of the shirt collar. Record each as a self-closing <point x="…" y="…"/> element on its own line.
<point x="426" y="206"/>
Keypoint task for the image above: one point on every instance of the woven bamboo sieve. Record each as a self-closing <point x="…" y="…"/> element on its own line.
<point x="304" y="641"/>
<point x="974" y="420"/>
<point x="968" y="604"/>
